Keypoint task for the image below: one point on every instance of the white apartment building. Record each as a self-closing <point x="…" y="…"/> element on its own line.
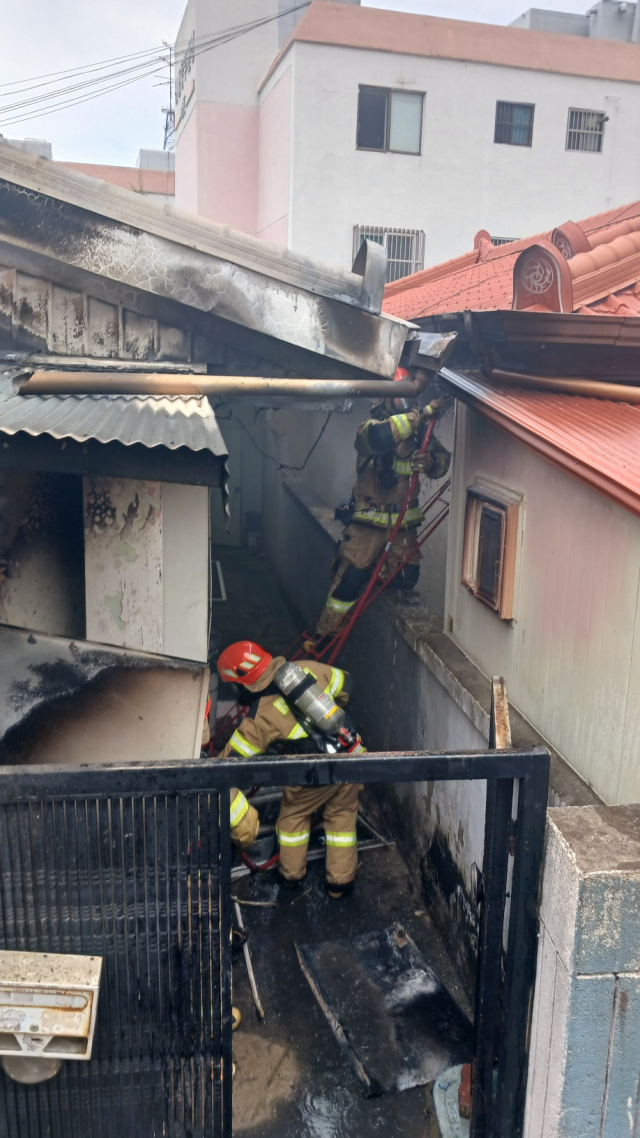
<point x="315" y="125"/>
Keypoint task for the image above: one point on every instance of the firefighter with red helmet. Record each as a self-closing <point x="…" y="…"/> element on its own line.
<point x="387" y="445"/>
<point x="315" y="695"/>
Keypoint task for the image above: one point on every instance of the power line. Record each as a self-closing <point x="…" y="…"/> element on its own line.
<point x="169" y="112"/>
<point x="279" y="465"/>
<point x="144" y="68"/>
<point x="100" y="64"/>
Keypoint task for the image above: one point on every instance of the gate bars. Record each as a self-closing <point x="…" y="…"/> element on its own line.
<point x="133" y="863"/>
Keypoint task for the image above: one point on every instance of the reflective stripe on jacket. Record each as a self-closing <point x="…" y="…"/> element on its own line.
<point x="386" y="519"/>
<point x="239" y="807"/>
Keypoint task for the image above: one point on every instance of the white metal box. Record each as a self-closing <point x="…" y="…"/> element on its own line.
<point x="48" y="1004"/>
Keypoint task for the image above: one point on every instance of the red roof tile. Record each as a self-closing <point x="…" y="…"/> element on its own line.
<point x="597" y="440"/>
<point x="482" y="280"/>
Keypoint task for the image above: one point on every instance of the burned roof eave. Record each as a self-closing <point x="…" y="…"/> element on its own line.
<point x="277" y="312"/>
<point x="134" y="211"/>
<point x="213" y="334"/>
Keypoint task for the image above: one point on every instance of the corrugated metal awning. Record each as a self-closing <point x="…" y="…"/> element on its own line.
<point x="169" y="421"/>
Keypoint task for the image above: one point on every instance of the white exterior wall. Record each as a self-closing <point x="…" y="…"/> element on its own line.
<point x="463" y="181"/>
<point x="571" y="655"/>
<point x="147" y="566"/>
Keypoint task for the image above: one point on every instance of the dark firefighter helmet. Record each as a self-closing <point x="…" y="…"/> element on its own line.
<point x="403" y="403"/>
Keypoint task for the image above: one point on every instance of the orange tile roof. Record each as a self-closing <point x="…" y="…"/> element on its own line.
<point x="596" y="440"/>
<point x="375" y="29"/>
<point x="603" y="278"/>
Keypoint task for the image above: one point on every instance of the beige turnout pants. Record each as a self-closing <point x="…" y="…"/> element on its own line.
<point x="339" y="805"/>
<point x="360" y="549"/>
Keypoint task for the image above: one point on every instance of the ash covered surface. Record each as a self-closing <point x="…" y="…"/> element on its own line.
<point x="292" y="1076"/>
<point x="52" y="688"/>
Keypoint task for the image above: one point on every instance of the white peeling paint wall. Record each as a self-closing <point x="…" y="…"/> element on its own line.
<point x="146" y="565"/>
<point x="185" y="561"/>
<point x="571" y="655"/>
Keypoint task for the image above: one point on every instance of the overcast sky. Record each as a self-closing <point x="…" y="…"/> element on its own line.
<point x="43" y="36"/>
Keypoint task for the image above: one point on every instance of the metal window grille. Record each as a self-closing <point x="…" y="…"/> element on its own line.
<point x="133" y="864"/>
<point x="405" y="248"/>
<point x="503" y="240"/>
<point x="585" y="130"/>
<point x="514" y="123"/>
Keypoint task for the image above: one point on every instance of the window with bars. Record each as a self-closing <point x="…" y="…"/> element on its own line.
<point x="405" y="248"/>
<point x="514" y="123"/>
<point x="585" y="130"/>
<point x="389" y="120"/>
<point x="503" y="240"/>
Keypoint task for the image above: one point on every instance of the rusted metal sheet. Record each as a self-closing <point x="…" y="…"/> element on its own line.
<point x="499" y="724"/>
<point x="98" y="231"/>
<point x="75" y="702"/>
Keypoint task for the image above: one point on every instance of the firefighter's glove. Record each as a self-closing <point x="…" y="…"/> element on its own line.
<point x="420" y="463"/>
<point x="438" y="460"/>
<point x="434" y="408"/>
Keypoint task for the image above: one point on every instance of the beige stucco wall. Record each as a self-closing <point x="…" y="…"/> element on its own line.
<point x="571" y="655"/>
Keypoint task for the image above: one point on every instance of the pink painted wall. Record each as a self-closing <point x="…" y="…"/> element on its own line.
<point x="274" y="162"/>
<point x="278" y="233"/>
<point x="217" y="164"/>
<point x="187" y="165"/>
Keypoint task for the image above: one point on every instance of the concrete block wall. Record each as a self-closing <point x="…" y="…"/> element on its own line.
<point x="585" y="1047"/>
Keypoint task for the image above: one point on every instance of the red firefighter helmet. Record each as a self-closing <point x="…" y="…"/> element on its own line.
<point x="403" y="403"/>
<point x="243" y="662"/>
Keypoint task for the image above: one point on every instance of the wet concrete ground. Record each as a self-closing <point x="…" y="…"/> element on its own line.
<point x="291" y="1076"/>
<point x="292" y="1079"/>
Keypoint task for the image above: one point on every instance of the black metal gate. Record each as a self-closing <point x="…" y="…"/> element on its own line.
<point x="133" y="864"/>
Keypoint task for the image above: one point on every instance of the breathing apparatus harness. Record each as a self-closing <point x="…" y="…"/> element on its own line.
<point x="317" y="712"/>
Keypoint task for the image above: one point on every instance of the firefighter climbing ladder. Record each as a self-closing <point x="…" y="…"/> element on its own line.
<point x="380" y="580"/>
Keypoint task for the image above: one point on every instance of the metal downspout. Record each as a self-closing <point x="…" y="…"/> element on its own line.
<point x="99" y="383"/>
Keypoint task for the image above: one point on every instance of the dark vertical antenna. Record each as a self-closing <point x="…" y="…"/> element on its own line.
<point x="169" y="112"/>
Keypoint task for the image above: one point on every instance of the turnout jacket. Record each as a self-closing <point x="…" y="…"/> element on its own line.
<point x="270" y="719"/>
<point x="385" y="445"/>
